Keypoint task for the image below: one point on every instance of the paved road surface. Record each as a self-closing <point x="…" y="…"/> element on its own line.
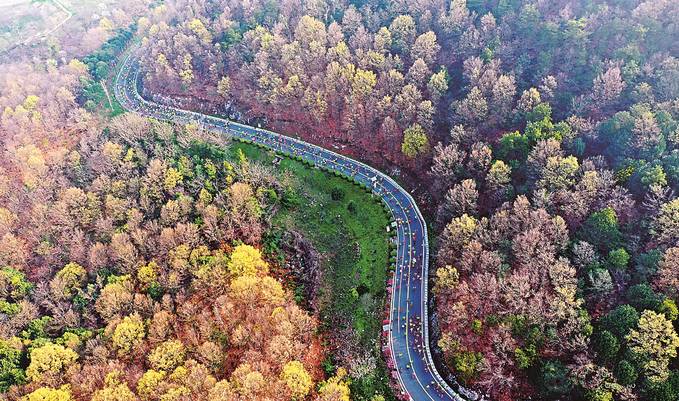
<point x="411" y="363"/>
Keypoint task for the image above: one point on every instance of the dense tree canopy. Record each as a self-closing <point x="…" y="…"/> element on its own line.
<point x="142" y="279"/>
<point x="542" y="139"/>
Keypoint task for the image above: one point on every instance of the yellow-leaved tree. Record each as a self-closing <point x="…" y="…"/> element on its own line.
<point x="50" y="358"/>
<point x="69" y="279"/>
<point x="335" y="388"/>
<point x="297" y="379"/>
<point x="50" y="394"/>
<point x="415" y="141"/>
<point x="147" y="386"/>
<point x="247" y="260"/>
<point x="167" y="355"/>
<point x="128" y="334"/>
<point x="114" y="390"/>
<point x="656" y="342"/>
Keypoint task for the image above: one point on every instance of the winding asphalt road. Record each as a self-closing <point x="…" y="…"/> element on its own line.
<point x="407" y="326"/>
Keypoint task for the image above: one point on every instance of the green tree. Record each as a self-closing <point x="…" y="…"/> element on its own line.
<point x="554" y="379"/>
<point x="10" y="363"/>
<point x="601" y="230"/>
<point x="620" y="320"/>
<point x="607" y="345"/>
<point x="540" y="113"/>
<point x="618" y="259"/>
<point x="664" y="391"/>
<point x="642" y="296"/>
<point x="337" y="194"/>
<point x="415" y="141"/>
<point x="652" y="175"/>
<point x="626" y="373"/>
<point x="513" y="146"/>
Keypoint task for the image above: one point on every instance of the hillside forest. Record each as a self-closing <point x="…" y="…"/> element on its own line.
<point x="543" y="137"/>
<point x="540" y="138"/>
<point x="131" y="250"/>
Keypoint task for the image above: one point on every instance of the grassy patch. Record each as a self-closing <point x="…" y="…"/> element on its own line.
<point x="347" y="226"/>
<point x="97" y="99"/>
<point x="103" y="65"/>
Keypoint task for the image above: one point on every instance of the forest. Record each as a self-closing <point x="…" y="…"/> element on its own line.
<point x="142" y="260"/>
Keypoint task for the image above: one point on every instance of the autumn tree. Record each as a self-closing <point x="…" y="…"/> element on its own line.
<point x="666" y="224"/>
<point x="114" y="389"/>
<point x="167" y="356"/>
<point x="50" y="394"/>
<point x="297" y="379"/>
<point x="335" y="388"/>
<point x="247" y="261"/>
<point x="667" y="278"/>
<point x="49" y="359"/>
<point x="656" y="342"/>
<point x="425" y="48"/>
<point x="403" y="32"/>
<point x="128" y="334"/>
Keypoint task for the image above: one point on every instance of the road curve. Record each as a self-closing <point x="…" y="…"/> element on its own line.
<point x="407" y="327"/>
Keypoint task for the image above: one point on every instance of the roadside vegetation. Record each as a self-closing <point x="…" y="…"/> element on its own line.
<point x="347" y="227"/>
<point x="97" y="92"/>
